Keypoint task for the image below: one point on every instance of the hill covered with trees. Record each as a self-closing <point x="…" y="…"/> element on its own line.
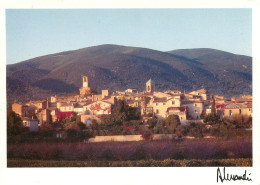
<point x="117" y="67"/>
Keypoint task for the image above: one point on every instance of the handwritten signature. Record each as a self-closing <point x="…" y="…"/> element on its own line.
<point x="231" y="177"/>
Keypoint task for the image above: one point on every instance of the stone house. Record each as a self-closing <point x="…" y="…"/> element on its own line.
<point x="43" y="116"/>
<point x="87" y="119"/>
<point x="20" y="109"/>
<point x="66" y="107"/>
<point x="233" y="109"/>
<point x="179" y="111"/>
<point x="53" y="113"/>
<point x="160" y="105"/>
<point x="98" y="108"/>
<point x="30" y="123"/>
<point x="78" y="109"/>
<point x="202" y="93"/>
<point x="194" y="108"/>
<point x="41" y="104"/>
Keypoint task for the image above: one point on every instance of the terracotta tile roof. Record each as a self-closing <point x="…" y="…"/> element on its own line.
<point x="237" y="105"/>
<point x="191" y="101"/>
<point x="159" y="100"/>
<point x="66" y="104"/>
<point x="183" y="108"/>
<point x="202" y="90"/>
<point x="78" y="106"/>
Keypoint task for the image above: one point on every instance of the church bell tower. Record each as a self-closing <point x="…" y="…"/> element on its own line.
<point x="150" y="86"/>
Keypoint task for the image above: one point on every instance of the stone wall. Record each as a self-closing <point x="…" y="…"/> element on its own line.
<point x="123" y="138"/>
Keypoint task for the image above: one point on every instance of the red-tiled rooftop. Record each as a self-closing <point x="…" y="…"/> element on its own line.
<point x="237" y="105"/>
<point x="183" y="108"/>
<point x="159" y="100"/>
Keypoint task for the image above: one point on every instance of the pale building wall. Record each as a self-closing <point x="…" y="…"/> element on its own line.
<point x="32" y="124"/>
<point x="67" y="108"/>
<point x="97" y="97"/>
<point x="17" y="108"/>
<point x="160" y="108"/>
<point x="203" y="96"/>
<point x="53" y="99"/>
<point x="105" y="93"/>
<point x="230" y="113"/>
<point x="79" y="110"/>
<point x="98" y="108"/>
<point x="195" y="109"/>
<point x="182" y="116"/>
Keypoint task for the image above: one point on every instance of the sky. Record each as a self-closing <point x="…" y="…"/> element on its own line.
<point x="32" y="33"/>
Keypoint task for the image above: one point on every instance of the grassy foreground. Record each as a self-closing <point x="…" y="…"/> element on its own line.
<point x="137" y="163"/>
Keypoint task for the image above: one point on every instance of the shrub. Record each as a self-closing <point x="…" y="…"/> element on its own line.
<point x="200" y="149"/>
<point x="242" y="121"/>
<point x="196" y="130"/>
<point x="172" y="122"/>
<point x="46" y="130"/>
<point x="211" y="119"/>
<point x="147" y="134"/>
<point x="152" y="122"/>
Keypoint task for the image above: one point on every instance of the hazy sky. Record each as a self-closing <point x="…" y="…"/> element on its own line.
<point x="32" y="33"/>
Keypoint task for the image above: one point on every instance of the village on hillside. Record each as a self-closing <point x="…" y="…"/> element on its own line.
<point x="188" y="106"/>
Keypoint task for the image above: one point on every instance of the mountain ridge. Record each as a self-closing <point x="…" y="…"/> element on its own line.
<point x="116" y="67"/>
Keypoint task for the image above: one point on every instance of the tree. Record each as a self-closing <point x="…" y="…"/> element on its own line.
<point x="196" y="130"/>
<point x="159" y="128"/>
<point x="182" y="130"/>
<point x="213" y="106"/>
<point x="121" y="113"/>
<point x="211" y="119"/>
<point x="146" y="101"/>
<point x="242" y="121"/>
<point x="172" y="122"/>
<point x="47" y="130"/>
<point x="72" y="133"/>
<point x="152" y="122"/>
<point x="93" y="91"/>
<point x="14" y="124"/>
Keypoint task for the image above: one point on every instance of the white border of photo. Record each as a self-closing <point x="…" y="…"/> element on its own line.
<point x="125" y="176"/>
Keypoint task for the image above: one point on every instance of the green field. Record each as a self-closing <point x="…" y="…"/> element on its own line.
<point x="137" y="163"/>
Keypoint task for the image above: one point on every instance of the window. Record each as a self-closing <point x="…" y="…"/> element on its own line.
<point x="156" y="104"/>
<point x="181" y="118"/>
<point x="230" y="112"/>
<point x="173" y="102"/>
<point x="163" y="103"/>
<point x="195" y="111"/>
<point x="157" y="111"/>
<point x="249" y="110"/>
<point x="195" y="105"/>
<point x="240" y="111"/>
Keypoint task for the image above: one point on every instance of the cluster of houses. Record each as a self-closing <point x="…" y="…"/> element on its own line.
<point x="188" y="106"/>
